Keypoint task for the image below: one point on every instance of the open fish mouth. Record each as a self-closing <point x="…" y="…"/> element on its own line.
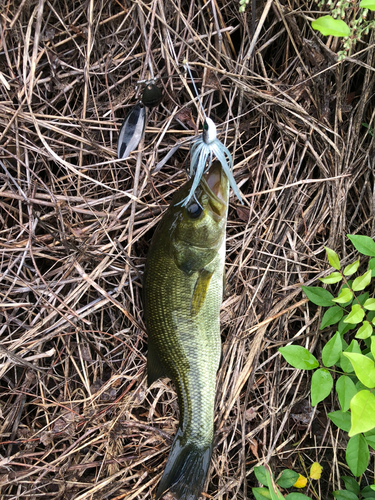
<point x="215" y="184"/>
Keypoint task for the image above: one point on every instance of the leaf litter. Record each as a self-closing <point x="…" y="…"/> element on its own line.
<point x="77" y="420"/>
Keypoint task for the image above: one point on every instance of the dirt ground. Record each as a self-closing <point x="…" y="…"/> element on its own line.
<point x="77" y="420"/>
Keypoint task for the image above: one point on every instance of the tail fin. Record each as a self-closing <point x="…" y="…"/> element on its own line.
<point x="186" y="470"/>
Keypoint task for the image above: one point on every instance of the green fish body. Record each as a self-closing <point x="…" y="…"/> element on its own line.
<point x="183" y="290"/>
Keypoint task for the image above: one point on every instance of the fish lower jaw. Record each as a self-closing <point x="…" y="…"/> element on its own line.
<point x="203" y="247"/>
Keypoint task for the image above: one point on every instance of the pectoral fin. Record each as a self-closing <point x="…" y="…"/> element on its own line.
<point x="200" y="290"/>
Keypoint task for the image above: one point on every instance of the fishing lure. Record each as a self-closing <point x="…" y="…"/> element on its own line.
<point x="204" y="149"/>
<point x="152" y="95"/>
<point x="202" y="152"/>
<point x="133" y="127"/>
<point x="131" y="131"/>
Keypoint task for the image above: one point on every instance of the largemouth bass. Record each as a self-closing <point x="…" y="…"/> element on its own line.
<point x="183" y="290"/>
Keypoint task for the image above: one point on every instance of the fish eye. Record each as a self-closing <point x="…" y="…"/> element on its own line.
<point x="194" y="210"/>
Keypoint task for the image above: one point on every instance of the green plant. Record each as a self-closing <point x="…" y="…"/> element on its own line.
<point x="370" y="129"/>
<point x="349" y="355"/>
<point x="286" y="479"/>
<point x="334" y="25"/>
<point x="270" y="489"/>
<point x="243" y="4"/>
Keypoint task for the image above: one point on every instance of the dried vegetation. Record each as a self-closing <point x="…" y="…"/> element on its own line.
<point x="76" y="418"/>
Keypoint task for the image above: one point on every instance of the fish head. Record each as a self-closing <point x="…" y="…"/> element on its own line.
<point x="197" y="230"/>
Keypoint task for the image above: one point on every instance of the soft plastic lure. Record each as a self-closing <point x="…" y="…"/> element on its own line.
<point x="202" y="151"/>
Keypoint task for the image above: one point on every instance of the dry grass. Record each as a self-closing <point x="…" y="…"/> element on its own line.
<point x="76" y="418"/>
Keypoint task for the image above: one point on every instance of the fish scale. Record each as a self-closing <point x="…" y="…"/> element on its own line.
<point x="192" y="359"/>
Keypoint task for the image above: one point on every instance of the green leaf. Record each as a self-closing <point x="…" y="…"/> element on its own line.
<point x="345" y="364"/>
<point x="260" y="474"/>
<point x="370" y="440"/>
<point x="367" y="4"/>
<point x="371" y="265"/>
<point x="351" y="268"/>
<point x="318" y="295"/>
<point x="299" y="357"/>
<point x="331" y="316"/>
<point x="360" y="386"/>
<point x="362" y="281"/>
<point x="341" y="419"/>
<point x="362" y="298"/>
<point x="370" y="130"/>
<point x="365" y="331"/>
<point x="344" y="495"/>
<point x="351" y="484"/>
<point x="369" y="304"/>
<point x="363" y="367"/>
<point x="368" y="492"/>
<point x="373" y="346"/>
<point x="345" y="296"/>
<point x="346" y="390"/>
<point x="363" y="244"/>
<point x="344" y="327"/>
<point x="287" y="479"/>
<point x="261" y="494"/>
<point x="332" y="278"/>
<point x="333" y="258"/>
<point x="362" y="407"/>
<point x="327" y="26"/>
<point x="332" y="350"/>
<point x="357" y="455"/>
<point x="356" y="315"/>
<point x="321" y="385"/>
<point x="354" y="347"/>
<point x="273" y="489"/>
<point x="297" y="496"/>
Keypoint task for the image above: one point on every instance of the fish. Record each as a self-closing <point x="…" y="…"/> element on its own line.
<point x="182" y="292"/>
